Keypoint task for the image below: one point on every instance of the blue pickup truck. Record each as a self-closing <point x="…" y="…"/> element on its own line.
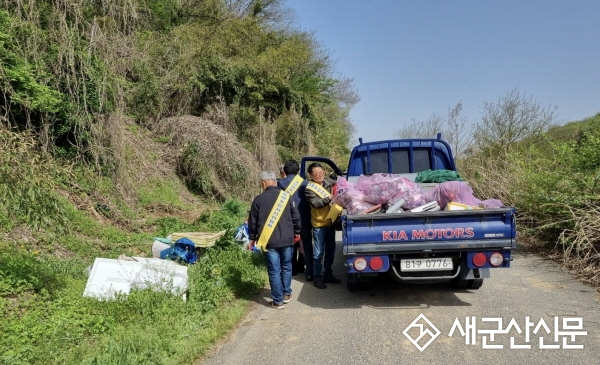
<point x="419" y="247"/>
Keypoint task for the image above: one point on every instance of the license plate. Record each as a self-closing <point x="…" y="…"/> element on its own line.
<point x="426" y="264"/>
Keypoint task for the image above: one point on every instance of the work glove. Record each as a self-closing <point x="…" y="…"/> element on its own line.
<point x="296" y="238"/>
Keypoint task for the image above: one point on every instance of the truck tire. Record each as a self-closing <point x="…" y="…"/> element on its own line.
<point x="353" y="286"/>
<point x="352" y="282"/>
<point x="475" y="284"/>
<point x="459" y="283"/>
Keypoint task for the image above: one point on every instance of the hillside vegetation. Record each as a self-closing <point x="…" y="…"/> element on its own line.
<point x="129" y="119"/>
<point x="71" y="70"/>
<point x="553" y="179"/>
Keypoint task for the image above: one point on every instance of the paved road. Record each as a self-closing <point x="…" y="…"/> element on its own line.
<point x="334" y="326"/>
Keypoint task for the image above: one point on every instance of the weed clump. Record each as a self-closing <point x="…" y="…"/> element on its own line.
<point x="22" y="272"/>
<point x="226" y="272"/>
<point x="231" y="215"/>
<point x="27" y="185"/>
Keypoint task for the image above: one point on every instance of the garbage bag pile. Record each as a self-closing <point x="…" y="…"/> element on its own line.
<point x="458" y="192"/>
<point x="389" y="189"/>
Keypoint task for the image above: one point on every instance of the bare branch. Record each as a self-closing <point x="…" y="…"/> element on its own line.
<point x="514" y="117"/>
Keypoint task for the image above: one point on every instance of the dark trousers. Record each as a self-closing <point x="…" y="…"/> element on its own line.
<point x="323" y="249"/>
<point x="306" y="237"/>
<point x="297" y="260"/>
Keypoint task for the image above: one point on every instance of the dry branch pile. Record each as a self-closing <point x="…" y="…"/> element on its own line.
<point x="210" y="160"/>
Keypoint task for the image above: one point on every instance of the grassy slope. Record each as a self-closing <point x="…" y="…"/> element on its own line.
<point x="43" y="273"/>
<point x="574" y="130"/>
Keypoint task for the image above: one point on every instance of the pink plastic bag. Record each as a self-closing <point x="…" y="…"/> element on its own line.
<point x="363" y="183"/>
<point x="380" y="193"/>
<point x="389" y="189"/>
<point x="409" y="191"/>
<point x="459" y="192"/>
<point x="378" y="188"/>
<point x="343" y="183"/>
<point x="350" y="198"/>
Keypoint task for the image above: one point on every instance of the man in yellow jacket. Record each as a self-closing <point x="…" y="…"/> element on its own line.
<point x="318" y="194"/>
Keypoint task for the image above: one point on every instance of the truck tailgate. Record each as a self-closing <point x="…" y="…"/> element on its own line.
<point x="435" y="231"/>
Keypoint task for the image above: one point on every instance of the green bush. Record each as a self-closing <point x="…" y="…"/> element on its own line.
<point x="231" y="215"/>
<point x="21" y="271"/>
<point x="224" y="272"/>
<point x="167" y="225"/>
<point x="160" y="191"/>
<point x="554" y="184"/>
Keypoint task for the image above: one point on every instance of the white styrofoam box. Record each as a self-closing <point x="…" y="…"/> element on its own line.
<point x="109" y="277"/>
<point x="396" y="208"/>
<point x="161" y="275"/>
<point x="428" y="207"/>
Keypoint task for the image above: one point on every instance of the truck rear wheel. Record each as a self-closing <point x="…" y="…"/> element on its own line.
<point x="475" y="284"/>
<point x="459" y="283"/>
<point x="353" y="286"/>
<point x="352" y="282"/>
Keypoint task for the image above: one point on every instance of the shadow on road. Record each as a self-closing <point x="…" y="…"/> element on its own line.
<point x="386" y="293"/>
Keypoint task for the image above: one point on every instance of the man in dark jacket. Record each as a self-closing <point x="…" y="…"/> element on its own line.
<point x="274" y="225"/>
<point x="295" y="185"/>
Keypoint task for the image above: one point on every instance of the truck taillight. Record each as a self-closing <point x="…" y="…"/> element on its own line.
<point x="360" y="264"/>
<point x="496" y="259"/>
<point x="376" y="263"/>
<point x="479" y="259"/>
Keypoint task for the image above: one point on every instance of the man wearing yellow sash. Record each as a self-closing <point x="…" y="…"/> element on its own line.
<point x="318" y="195"/>
<point x="292" y="183"/>
<point x="274" y="224"/>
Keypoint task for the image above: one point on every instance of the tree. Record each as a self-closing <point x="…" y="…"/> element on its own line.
<point x="515" y="117"/>
<point x="454" y="129"/>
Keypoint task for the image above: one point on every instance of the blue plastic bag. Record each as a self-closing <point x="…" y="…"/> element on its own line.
<point x="241" y="235"/>
<point x="183" y="250"/>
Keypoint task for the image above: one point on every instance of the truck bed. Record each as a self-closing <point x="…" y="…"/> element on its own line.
<point x="441" y="231"/>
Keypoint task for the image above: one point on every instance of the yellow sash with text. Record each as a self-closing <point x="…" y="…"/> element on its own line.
<point x="274" y="216"/>
<point x="294" y="185"/>
<point x="334" y="209"/>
